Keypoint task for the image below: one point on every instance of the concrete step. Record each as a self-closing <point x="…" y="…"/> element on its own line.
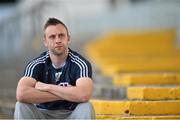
<point x="135" y="39"/>
<point x="122" y="50"/>
<point x="7" y="108"/>
<point x="140" y="64"/>
<point x="153" y="93"/>
<point x="129" y="107"/>
<point x="133" y="117"/>
<point x="147" y="78"/>
<point x="103" y="87"/>
<point x="109" y="92"/>
<point x="142" y="36"/>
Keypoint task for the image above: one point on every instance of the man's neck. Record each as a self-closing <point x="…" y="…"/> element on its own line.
<point x="58" y="60"/>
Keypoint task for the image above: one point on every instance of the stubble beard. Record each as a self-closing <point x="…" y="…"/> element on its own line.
<point x="58" y="52"/>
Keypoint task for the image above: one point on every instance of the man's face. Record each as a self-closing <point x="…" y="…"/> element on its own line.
<point x="56" y="39"/>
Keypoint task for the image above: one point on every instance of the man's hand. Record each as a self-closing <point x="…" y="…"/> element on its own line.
<point x="42" y="86"/>
<point x="26" y="91"/>
<point x="79" y="93"/>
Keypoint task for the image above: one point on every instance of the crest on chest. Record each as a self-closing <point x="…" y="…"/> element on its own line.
<point x="57" y="76"/>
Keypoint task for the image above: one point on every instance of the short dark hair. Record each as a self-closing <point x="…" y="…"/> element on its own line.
<point x="54" y="21"/>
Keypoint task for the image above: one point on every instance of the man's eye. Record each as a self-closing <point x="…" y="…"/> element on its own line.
<point x="61" y="35"/>
<point x="52" y="37"/>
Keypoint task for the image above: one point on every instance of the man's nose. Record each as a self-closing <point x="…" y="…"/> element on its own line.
<point x="58" y="39"/>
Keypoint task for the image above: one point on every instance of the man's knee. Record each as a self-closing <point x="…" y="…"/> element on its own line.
<point x="22" y="106"/>
<point x="23" y="110"/>
<point x="86" y="106"/>
<point x="84" y="110"/>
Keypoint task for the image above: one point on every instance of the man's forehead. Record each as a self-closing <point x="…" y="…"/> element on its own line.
<point x="55" y="28"/>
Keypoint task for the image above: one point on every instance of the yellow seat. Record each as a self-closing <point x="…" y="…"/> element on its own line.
<point x="129" y="79"/>
<point x="153" y="93"/>
<point x="120" y="107"/>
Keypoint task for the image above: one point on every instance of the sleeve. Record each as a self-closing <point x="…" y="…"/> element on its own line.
<point x="32" y="70"/>
<point x="83" y="69"/>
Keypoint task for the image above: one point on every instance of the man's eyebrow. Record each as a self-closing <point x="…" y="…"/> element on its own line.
<point x="52" y="35"/>
<point x="61" y="34"/>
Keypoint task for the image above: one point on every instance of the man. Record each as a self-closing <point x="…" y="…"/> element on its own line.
<point x="57" y="84"/>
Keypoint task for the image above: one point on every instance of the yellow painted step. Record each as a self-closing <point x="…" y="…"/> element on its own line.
<point x="164" y="78"/>
<point x="132" y="117"/>
<point x="132" y="52"/>
<point x="127" y="62"/>
<point x="170" y="107"/>
<point x="131" y="46"/>
<point x="144" y="60"/>
<point x="140" y="65"/>
<point x="152" y="39"/>
<point x="153" y="93"/>
<point x="147" y="39"/>
<point x="143" y="36"/>
<point x="110" y="107"/>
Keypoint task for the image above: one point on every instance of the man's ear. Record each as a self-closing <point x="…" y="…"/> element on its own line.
<point x="69" y="38"/>
<point x="45" y="42"/>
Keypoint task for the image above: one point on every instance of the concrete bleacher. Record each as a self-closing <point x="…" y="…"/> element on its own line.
<point x="138" y="51"/>
<point x="144" y="78"/>
<point x="153" y="93"/>
<point x="136" y="108"/>
<point x="128" y="43"/>
<point x="147" y="65"/>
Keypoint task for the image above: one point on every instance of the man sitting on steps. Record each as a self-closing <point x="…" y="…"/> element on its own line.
<point x="57" y="84"/>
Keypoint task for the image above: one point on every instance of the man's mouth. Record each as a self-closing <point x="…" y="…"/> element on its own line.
<point x="58" y="46"/>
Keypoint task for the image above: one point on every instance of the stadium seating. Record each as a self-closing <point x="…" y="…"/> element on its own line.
<point x="147" y="64"/>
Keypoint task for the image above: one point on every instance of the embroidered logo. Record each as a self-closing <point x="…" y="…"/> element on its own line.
<point x="64" y="84"/>
<point x="57" y="76"/>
